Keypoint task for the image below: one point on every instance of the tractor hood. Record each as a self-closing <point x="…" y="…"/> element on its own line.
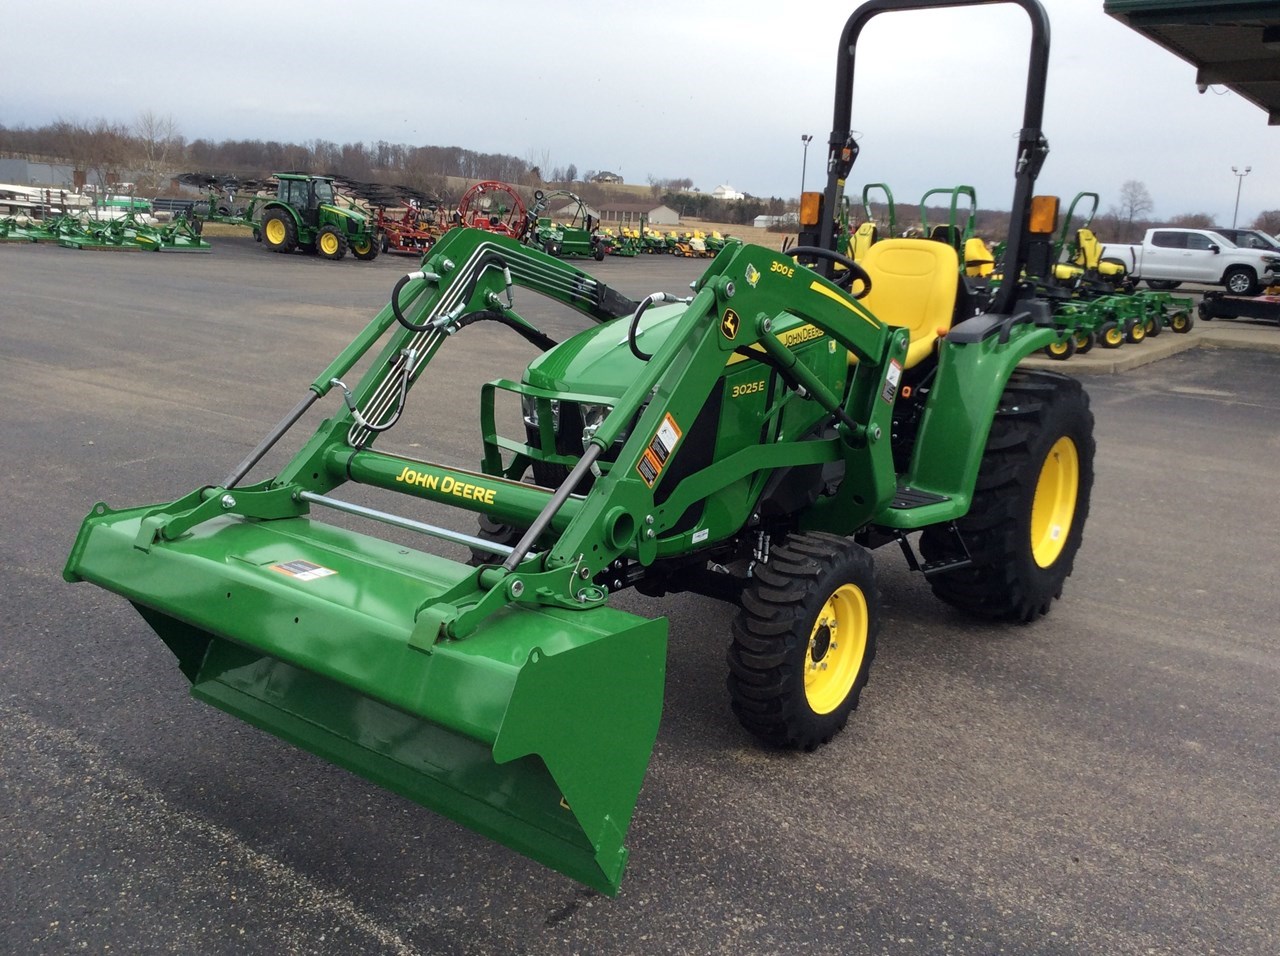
<point x="597" y="361"/>
<point x="343" y="211"/>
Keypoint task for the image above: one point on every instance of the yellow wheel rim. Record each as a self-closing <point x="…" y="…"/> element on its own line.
<point x="837" y="646"/>
<point x="1115" y="336"/>
<point x="1139" y="333"/>
<point x="1058" y="348"/>
<point x="328" y="243"/>
<point x="1054" y="505"/>
<point x="275" y="232"/>
<point x="359" y="246"/>
<point x="1179" y="322"/>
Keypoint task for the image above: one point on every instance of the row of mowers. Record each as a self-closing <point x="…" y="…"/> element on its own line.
<point x="126" y="231"/>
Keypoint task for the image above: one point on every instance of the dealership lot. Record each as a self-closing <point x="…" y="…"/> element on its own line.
<point x="1101" y="781"/>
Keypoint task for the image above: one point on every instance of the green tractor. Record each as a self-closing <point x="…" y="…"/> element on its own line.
<point x="752" y="442"/>
<point x="304" y="214"/>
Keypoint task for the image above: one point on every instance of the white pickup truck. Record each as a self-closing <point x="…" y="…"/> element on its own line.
<point x="1167" y="257"/>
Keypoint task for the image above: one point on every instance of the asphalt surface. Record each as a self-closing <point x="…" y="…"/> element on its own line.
<point x="1103" y="781"/>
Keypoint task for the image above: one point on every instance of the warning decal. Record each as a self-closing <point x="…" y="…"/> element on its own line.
<point x="892" y="376"/>
<point x="303" y="570"/>
<point x="660" y="448"/>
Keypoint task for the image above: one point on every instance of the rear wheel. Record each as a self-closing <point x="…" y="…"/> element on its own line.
<point x="804" y="641"/>
<point x="330" y="243"/>
<point x="279" y="231"/>
<point x="1163" y="285"/>
<point x="1029" y="507"/>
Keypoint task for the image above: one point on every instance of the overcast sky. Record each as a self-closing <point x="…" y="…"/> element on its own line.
<point x="717" y="91"/>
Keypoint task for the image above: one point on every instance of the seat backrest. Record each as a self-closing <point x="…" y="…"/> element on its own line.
<point x="1090" y="250"/>
<point x="978" y="261"/>
<point x="914" y="283"/>
<point x="863" y="239"/>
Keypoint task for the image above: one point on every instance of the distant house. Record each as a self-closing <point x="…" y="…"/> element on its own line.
<point x="786" y="219"/>
<point x="604" y="176"/>
<point x="630" y="213"/>
<point x="727" y="192"/>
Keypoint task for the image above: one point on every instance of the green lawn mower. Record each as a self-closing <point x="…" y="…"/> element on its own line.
<point x="753" y="441"/>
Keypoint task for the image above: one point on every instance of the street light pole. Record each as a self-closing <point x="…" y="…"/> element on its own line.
<point x="1239" y="182"/>
<point x="804" y="138"/>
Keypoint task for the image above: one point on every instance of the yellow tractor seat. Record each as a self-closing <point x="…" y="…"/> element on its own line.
<point x="1065" y="272"/>
<point x="914" y="283"/>
<point x="978" y="261"/>
<point x="863" y="239"/>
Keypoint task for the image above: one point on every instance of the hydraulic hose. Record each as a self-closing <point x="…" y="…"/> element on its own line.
<point x="651" y="299"/>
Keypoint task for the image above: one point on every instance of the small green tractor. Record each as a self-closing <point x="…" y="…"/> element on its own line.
<point x="305" y="214"/>
<point x="753" y="441"/>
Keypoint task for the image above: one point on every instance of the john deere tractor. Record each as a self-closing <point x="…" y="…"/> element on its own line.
<point x="305" y="214"/>
<point x="753" y="441"/>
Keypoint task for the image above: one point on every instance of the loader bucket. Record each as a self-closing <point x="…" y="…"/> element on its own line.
<point x="535" y="730"/>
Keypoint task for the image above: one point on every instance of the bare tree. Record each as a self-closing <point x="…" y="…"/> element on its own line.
<point x="1268" y="222"/>
<point x="1192" y="220"/>
<point x="161" y="142"/>
<point x="1135" y="202"/>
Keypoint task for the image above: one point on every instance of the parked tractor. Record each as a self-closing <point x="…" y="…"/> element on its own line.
<point x="752" y="441"/>
<point x="305" y="214"/>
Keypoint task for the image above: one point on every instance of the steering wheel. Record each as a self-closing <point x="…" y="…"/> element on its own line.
<point x="855" y="271"/>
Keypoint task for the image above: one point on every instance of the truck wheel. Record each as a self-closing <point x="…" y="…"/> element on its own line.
<point x="330" y="243"/>
<point x="804" y="640"/>
<point x="1163" y="285"/>
<point x="1241" y="280"/>
<point x="1030" y="503"/>
<point x="365" y="248"/>
<point x="279" y="232"/>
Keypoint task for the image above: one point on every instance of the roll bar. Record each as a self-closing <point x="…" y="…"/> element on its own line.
<point x="1032" y="145"/>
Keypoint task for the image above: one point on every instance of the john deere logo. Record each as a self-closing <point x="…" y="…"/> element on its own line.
<point x="729" y="324"/>
<point x="752" y="275"/>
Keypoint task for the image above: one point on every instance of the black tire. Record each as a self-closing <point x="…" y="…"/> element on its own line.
<point x="1035" y="480"/>
<point x="1203" y="311"/>
<point x="551" y="248"/>
<point x="496" y="532"/>
<point x="1085" y="341"/>
<point x="1181" y="321"/>
<point x="224" y="209"/>
<point x="1135" y="330"/>
<point x="386" y="243"/>
<point x="804" y="641"/>
<point x="1241" y="280"/>
<point x="1061" y="350"/>
<point x="1110" y="335"/>
<point x="331" y="243"/>
<point x="279" y="231"/>
<point x="598" y="252"/>
<point x="1163" y="285"/>
<point x="1153" y="325"/>
<point x="365" y="248"/>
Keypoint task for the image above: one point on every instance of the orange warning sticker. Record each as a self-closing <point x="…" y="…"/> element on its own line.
<point x="660" y="449"/>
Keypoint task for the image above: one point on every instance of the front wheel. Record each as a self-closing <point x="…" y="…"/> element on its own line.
<point x="804" y="641"/>
<point x="1181" y="321"/>
<point x="1241" y="280"/>
<point x="365" y="248"/>
<point x="1029" y="507"/>
<point x="1163" y="285"/>
<point x="1110" y="335"/>
<point x="330" y="243"/>
<point x="1061" y="350"/>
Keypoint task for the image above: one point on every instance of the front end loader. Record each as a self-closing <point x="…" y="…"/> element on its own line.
<point x="753" y="441"/>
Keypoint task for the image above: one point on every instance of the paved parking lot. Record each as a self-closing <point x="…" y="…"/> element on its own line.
<point x="1103" y="781"/>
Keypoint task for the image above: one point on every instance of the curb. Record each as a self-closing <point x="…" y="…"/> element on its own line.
<point x="1168" y="343"/>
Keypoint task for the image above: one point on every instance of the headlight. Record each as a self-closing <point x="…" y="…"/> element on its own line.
<point x="593" y="415"/>
<point x="529" y="408"/>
